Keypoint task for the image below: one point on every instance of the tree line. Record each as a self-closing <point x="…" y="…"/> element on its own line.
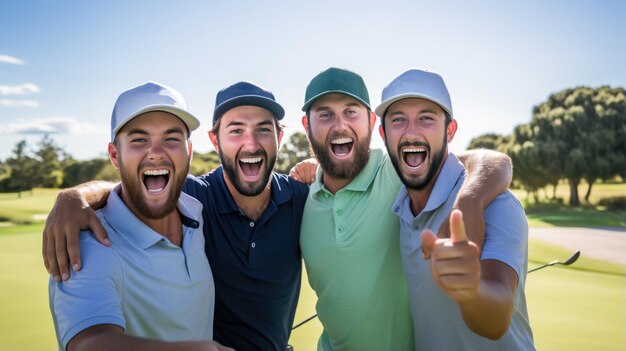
<point x="576" y="134"/>
<point x="48" y="165"/>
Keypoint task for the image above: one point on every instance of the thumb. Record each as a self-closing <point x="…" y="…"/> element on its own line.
<point x="428" y="239"/>
<point x="457" y="227"/>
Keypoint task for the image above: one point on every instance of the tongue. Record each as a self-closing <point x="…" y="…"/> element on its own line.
<point x="414" y="159"/>
<point x="155" y="182"/>
<point x="341" y="149"/>
<point x="250" y="169"/>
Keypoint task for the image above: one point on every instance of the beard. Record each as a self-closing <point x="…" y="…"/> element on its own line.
<point x="416" y="183"/>
<point x="230" y="166"/>
<point x="342" y="169"/>
<point x="133" y="186"/>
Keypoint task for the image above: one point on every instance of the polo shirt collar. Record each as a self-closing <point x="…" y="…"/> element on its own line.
<point x="448" y="177"/>
<point x="226" y="204"/>
<point x="362" y="181"/>
<point x="123" y="220"/>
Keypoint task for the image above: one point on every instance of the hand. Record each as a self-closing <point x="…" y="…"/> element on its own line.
<point x="216" y="346"/>
<point x="61" y="234"/>
<point x="455" y="262"/>
<point x="304" y="171"/>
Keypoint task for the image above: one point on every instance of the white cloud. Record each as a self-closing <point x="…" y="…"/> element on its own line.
<point x="10" y="59"/>
<point x="18" y="103"/>
<point x="22" y="89"/>
<point x="54" y="125"/>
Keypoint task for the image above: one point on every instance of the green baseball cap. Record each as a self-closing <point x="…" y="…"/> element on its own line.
<point x="336" y="80"/>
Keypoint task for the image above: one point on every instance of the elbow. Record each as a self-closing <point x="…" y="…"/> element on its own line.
<point x="493" y="332"/>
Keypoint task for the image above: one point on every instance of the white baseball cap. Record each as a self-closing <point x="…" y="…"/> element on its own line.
<point x="416" y="83"/>
<point x="149" y="97"/>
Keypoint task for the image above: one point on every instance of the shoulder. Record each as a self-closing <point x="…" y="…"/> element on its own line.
<point x="99" y="259"/>
<point x="299" y="190"/>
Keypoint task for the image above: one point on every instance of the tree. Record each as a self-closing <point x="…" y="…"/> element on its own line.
<point x="23" y="174"/>
<point x="295" y="150"/>
<point x="491" y="141"/>
<point x="48" y="167"/>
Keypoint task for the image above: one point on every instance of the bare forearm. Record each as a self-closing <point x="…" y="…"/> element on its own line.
<point x="488" y="175"/>
<point x="93" y="194"/>
<point x="122" y="342"/>
<point x="489" y="313"/>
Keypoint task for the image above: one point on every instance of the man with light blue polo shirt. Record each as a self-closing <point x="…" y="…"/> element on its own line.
<point x="466" y="291"/>
<point x="152" y="289"/>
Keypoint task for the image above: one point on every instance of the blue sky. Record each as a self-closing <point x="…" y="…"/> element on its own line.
<point x="63" y="63"/>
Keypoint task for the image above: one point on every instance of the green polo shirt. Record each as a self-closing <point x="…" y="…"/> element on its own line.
<point x="350" y="247"/>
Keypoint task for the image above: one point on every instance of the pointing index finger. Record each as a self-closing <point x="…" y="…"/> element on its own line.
<point x="457" y="227"/>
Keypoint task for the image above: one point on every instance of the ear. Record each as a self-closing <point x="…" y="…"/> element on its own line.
<point x="372" y="119"/>
<point x="381" y="131"/>
<point x="280" y="137"/>
<point x="305" y="124"/>
<point x="213" y="138"/>
<point x="114" y="156"/>
<point x="190" y="150"/>
<point x="451" y="130"/>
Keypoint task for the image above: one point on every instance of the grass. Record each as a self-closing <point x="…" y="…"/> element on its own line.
<point x="579" y="307"/>
<point x="29" y="208"/>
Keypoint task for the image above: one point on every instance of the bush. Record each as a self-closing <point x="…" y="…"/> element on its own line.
<point x="616" y="203"/>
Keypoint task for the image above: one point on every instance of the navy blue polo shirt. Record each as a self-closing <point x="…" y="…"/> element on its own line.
<point x="256" y="266"/>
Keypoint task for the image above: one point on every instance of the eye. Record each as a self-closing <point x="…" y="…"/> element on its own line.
<point x="236" y="131"/>
<point x="138" y="140"/>
<point x="264" y="130"/>
<point x="397" y="119"/>
<point x="325" y="115"/>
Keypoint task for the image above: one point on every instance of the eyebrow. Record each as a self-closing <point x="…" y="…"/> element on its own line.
<point x="427" y="110"/>
<point x="172" y="130"/>
<point x="237" y="123"/>
<point x="325" y="108"/>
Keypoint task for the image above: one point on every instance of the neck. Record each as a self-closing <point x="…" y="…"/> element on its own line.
<point x="169" y="226"/>
<point x="334" y="184"/>
<point x="252" y="206"/>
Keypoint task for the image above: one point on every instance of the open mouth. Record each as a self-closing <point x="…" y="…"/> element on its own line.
<point x="155" y="180"/>
<point x="414" y="156"/>
<point x="341" y="146"/>
<point x="250" y="166"/>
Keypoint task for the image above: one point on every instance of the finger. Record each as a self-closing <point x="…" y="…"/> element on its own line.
<point x="98" y="230"/>
<point x="428" y="239"/>
<point x="73" y="249"/>
<point x="50" y="252"/>
<point x="61" y="257"/>
<point x="457" y="228"/>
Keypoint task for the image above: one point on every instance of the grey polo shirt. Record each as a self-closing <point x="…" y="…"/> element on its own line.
<point x="437" y="321"/>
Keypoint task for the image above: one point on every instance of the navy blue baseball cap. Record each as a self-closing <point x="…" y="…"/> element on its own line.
<point x="246" y="94"/>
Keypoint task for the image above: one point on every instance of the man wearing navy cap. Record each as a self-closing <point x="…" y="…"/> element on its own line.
<point x="124" y="296"/>
<point x="469" y="295"/>
<point x="251" y="222"/>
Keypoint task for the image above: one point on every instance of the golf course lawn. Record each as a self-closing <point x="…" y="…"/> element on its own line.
<point x="581" y="307"/>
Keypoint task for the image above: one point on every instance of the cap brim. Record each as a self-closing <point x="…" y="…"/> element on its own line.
<point x="382" y="108"/>
<point x="190" y="121"/>
<point x="249" y="100"/>
<point x="310" y="102"/>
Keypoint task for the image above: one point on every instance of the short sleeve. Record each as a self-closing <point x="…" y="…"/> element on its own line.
<point x="91" y="296"/>
<point x="506" y="238"/>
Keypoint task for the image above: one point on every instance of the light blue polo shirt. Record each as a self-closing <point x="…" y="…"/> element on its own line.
<point x="142" y="283"/>
<point x="436" y="318"/>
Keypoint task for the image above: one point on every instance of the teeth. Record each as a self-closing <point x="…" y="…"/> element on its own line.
<point x="156" y="172"/>
<point x="251" y="159"/>
<point x="155" y="190"/>
<point x="342" y="141"/>
<point x="414" y="149"/>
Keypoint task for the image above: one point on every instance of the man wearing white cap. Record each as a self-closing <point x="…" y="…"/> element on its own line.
<point x="466" y="291"/>
<point x="152" y="289"/>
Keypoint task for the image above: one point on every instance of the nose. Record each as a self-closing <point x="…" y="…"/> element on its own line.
<point x="249" y="142"/>
<point x="156" y="151"/>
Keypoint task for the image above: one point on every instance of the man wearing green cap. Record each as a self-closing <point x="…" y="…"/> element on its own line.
<point x="349" y="236"/>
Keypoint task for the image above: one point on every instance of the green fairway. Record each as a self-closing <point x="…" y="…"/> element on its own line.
<point x="579" y="307"/>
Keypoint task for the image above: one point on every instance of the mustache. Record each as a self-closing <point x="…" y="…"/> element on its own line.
<point x="256" y="153"/>
<point x="165" y="163"/>
<point x="414" y="143"/>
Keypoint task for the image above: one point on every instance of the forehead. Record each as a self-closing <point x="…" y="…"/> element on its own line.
<point x="154" y="121"/>
<point x="247" y="115"/>
<point x="411" y="104"/>
<point x="335" y="100"/>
